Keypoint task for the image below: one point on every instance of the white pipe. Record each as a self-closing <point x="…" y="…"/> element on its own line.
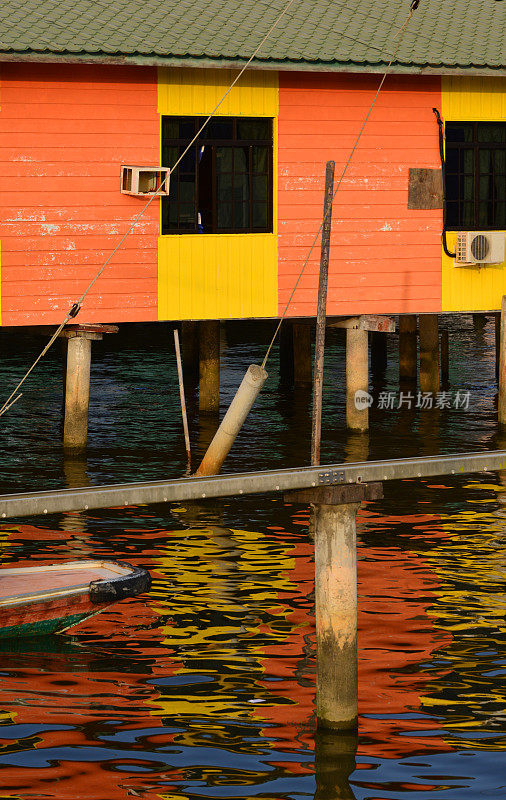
<point x="233" y="420"/>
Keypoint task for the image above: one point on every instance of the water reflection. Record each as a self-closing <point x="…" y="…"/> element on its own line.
<point x="206" y="687"/>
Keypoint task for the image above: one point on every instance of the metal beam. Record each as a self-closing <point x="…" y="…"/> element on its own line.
<point x="180" y="489"/>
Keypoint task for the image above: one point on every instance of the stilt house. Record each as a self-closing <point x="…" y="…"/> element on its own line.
<point x="91" y="88"/>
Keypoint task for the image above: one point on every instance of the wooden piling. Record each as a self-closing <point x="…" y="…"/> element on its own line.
<point x="502" y="366"/>
<point x="335" y="510"/>
<point x="379" y="353"/>
<point x="445" y="357"/>
<point x="209" y="367"/>
<point x="335" y="758"/>
<point x="357" y="378"/>
<point x="321" y="316"/>
<point x="407" y="347"/>
<point x="303" y="367"/>
<point x="190" y="350"/>
<point x="429" y="353"/>
<point x="497" y="329"/>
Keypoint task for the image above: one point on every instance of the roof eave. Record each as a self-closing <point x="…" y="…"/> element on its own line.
<point x="224" y="63"/>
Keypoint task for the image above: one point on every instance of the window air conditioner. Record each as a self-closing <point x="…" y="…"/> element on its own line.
<point x="480" y="247"/>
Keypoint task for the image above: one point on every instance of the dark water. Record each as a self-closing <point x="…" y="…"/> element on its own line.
<point x="205" y="688"/>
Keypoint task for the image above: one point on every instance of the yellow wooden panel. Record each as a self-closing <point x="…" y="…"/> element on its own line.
<point x="472" y="99"/>
<point x="217" y="276"/>
<point x="196" y="92"/>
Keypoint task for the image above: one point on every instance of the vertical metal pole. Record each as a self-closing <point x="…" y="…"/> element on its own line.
<point x="182" y="399"/>
<point x="321" y="316"/>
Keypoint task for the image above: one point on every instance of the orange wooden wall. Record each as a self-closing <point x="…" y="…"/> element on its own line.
<point x="64" y="132"/>
<point x="384" y="258"/>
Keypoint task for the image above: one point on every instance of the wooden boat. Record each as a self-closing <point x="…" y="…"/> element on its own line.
<point x="43" y="600"/>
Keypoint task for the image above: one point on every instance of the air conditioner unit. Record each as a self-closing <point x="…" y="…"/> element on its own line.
<point x="480" y="247"/>
<point x="145" y="181"/>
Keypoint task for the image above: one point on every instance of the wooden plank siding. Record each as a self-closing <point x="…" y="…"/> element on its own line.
<point x="384" y="258"/>
<point x="65" y="130"/>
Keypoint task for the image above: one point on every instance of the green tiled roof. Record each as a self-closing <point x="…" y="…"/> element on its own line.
<point x="319" y="34"/>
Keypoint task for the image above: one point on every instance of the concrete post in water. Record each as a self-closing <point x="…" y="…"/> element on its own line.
<point x="357" y="378"/>
<point x="407" y="347"/>
<point x="233" y="420"/>
<point x="303" y="368"/>
<point x="209" y="367"/>
<point x="77" y="390"/>
<point x="502" y="366"/>
<point x="445" y="357"/>
<point x="429" y="353"/>
<point x="335" y="510"/>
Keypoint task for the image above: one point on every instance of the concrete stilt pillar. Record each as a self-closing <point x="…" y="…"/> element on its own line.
<point x="190" y="350"/>
<point x="407" y="347"/>
<point x="335" y="509"/>
<point x="286" y="359"/>
<point x="429" y="353"/>
<point x="77" y="341"/>
<point x="479" y="322"/>
<point x="357" y="377"/>
<point x="445" y="357"/>
<point x="209" y="367"/>
<point x="379" y="354"/>
<point x="303" y="363"/>
<point x="77" y="392"/>
<point x="502" y="366"/>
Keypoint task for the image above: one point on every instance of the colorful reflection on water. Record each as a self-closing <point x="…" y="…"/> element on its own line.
<point x="205" y="688"/>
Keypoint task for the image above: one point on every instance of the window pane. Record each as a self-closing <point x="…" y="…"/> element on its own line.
<point x="259" y="215"/>
<point x="260" y="159"/>
<point x="467" y="187"/>
<point x="188" y="162"/>
<point x="489" y="132"/>
<point x="467" y="218"/>
<point x="169" y="155"/>
<point x="499" y="158"/>
<point x="452" y="215"/>
<point x="500" y="215"/>
<point x="187" y="215"/>
<point x="467" y="160"/>
<point x="224" y="215"/>
<point x="260" y="188"/>
<point x="187" y="188"/>
<point x="241" y="216"/>
<point x="241" y="188"/>
<point x="459" y="132"/>
<point x="179" y="127"/>
<point x="253" y="129"/>
<point x="485" y="160"/>
<point x="485" y="214"/>
<point x="225" y="184"/>
<point x="224" y="159"/>
<point x="219" y="129"/>
<point x="452" y="159"/>
<point x="241" y="159"/>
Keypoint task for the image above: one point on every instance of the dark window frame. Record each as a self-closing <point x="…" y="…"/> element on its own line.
<point x="174" y="222"/>
<point x="466" y="210"/>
